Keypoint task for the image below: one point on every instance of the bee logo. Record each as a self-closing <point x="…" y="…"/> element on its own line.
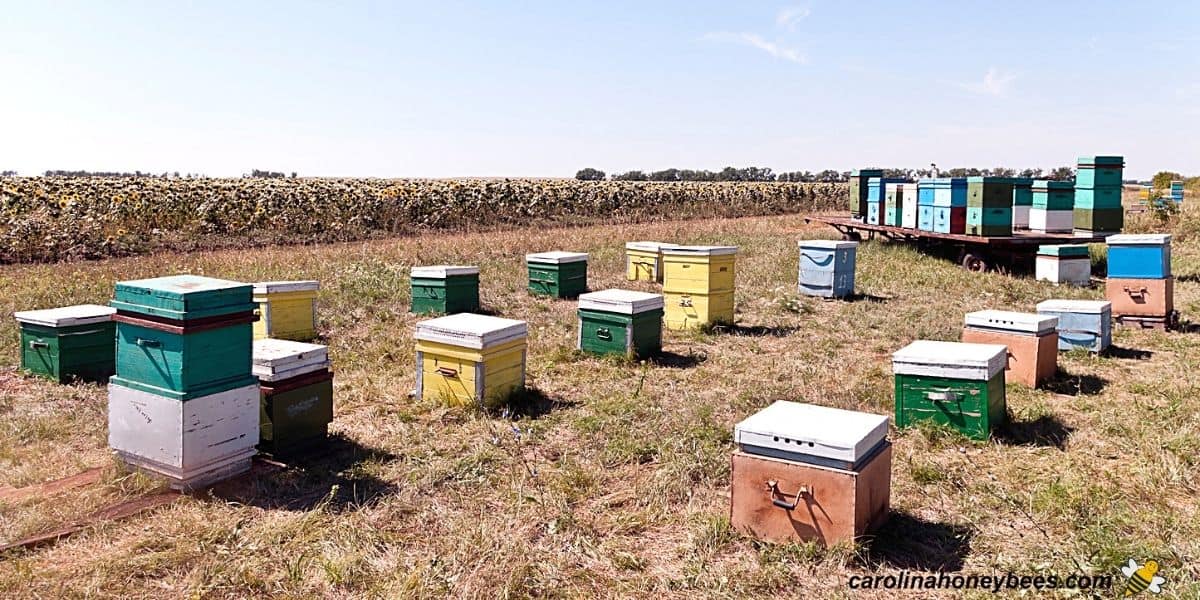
<point x="1142" y="578"/>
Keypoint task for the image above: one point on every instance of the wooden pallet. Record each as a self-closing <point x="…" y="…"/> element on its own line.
<point x="1167" y="323"/>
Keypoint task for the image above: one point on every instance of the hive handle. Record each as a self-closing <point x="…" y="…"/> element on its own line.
<point x="35" y="344"/>
<point x="1136" y="294"/>
<point x="145" y="343"/>
<point x="685" y="301"/>
<point x="447" y="371"/>
<point x="774" y="491"/>
<point x="604" y="334"/>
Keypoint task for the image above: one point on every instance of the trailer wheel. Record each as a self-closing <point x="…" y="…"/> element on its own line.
<point x="852" y="236"/>
<point x="975" y="263"/>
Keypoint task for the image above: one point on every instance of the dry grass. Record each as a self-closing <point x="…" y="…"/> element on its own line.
<point x="612" y="481"/>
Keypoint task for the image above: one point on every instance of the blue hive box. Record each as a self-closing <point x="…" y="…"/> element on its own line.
<point x="1083" y="324"/>
<point x="925" y="217"/>
<point x="1146" y="256"/>
<point x="949" y="191"/>
<point x="827" y="268"/>
<point x="925" y="192"/>
<point x="874" y="210"/>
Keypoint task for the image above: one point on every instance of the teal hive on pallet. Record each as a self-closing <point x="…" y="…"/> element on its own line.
<point x="72" y="342"/>
<point x="1098" y="194"/>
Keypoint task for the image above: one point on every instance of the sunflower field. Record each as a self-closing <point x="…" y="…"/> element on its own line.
<point x="71" y="218"/>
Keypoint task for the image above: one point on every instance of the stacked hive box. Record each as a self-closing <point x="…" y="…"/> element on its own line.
<point x="893" y="204"/>
<point x="1177" y="191"/>
<point x="827" y="268"/>
<point x="1085" y="324"/>
<point x="183" y="402"/>
<point x="72" y="342"/>
<point x="951" y="383"/>
<point x="1022" y="202"/>
<point x="1052" y="203"/>
<point x="1032" y="342"/>
<point x="1064" y="263"/>
<point x="557" y="274"/>
<point x="1140" y="285"/>
<point x="295" y="395"/>
<point x="287" y="310"/>
<point x="445" y="289"/>
<point x="810" y="473"/>
<point x="908" y="212"/>
<point x="876" y="195"/>
<point x="949" y="204"/>
<point x="620" y="322"/>
<point x="1098" y="195"/>
<point x="468" y="359"/>
<point x="858" y="190"/>
<point x="925" y="196"/>
<point x="643" y="261"/>
<point x="698" y="285"/>
<point x="989" y="206"/>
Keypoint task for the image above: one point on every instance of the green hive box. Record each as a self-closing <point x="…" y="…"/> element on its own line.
<point x="72" y="342"/>
<point x="183" y="297"/>
<point x="989" y="221"/>
<point x="621" y="322"/>
<point x="858" y="189"/>
<point x="1099" y="171"/>
<point x="1053" y="195"/>
<point x="557" y="274"/>
<point x="951" y="383"/>
<point x="990" y="192"/>
<point x="1101" y="197"/>
<point x="1099" y="219"/>
<point x="295" y="415"/>
<point x="445" y="289"/>
<point x="1022" y="192"/>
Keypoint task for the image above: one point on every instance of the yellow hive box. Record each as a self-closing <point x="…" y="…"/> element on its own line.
<point x="643" y="261"/>
<point x="688" y="311"/>
<point x="698" y="285"/>
<point x="287" y="310"/>
<point x="468" y="359"/>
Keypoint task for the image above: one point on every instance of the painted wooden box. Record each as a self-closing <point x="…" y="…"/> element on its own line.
<point x="821" y="435"/>
<point x="1107" y="197"/>
<point x="183" y="297"/>
<point x="1144" y="256"/>
<point x="643" y="261"/>
<point x="1063" y="263"/>
<point x="1099" y="171"/>
<point x="557" y="274"/>
<point x="893" y="204"/>
<point x="990" y="192"/>
<point x="445" y="289"/>
<point x="925" y="217"/>
<point x="1141" y="297"/>
<point x="1089" y="221"/>
<point x="691" y="311"/>
<point x="874" y="213"/>
<point x="68" y="343"/>
<point x="908" y="213"/>
<point x="184" y="360"/>
<point x="698" y="285"/>
<point x="1083" y="324"/>
<point x="280" y="360"/>
<point x="470" y="359"/>
<point x="1051" y="221"/>
<point x="858" y="190"/>
<point x="295" y="395"/>
<point x="191" y="444"/>
<point x="620" y="322"/>
<point x="951" y="383"/>
<point x="287" y="310"/>
<point x="1032" y="342"/>
<point x="947" y="219"/>
<point x="1053" y="195"/>
<point x="925" y="192"/>
<point x="827" y="268"/>
<point x="989" y="221"/>
<point x="1022" y="191"/>
<point x="948" y="191"/>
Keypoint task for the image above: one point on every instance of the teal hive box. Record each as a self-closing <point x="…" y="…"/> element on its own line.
<point x="183" y="297"/>
<point x="993" y="221"/>
<point x="1022" y="192"/>
<point x="1102" y="197"/>
<point x="1063" y="250"/>
<point x="72" y="342"/>
<point x="1054" y="195"/>
<point x="1099" y="171"/>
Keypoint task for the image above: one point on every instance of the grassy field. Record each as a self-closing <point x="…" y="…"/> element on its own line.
<point x="612" y="479"/>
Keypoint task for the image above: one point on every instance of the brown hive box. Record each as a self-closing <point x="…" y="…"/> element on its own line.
<point x="1141" y="297"/>
<point x="1032" y="342"/>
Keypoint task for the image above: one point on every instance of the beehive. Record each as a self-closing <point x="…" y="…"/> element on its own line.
<point x="1064" y="263"/>
<point x="1141" y="297"/>
<point x="1051" y="211"/>
<point x="893" y="204"/>
<point x="810" y="473"/>
<point x="1032" y="342"/>
<point x="876" y="197"/>
<point x="71" y="342"/>
<point x="908" y="196"/>
<point x="989" y="206"/>
<point x="948" y="191"/>
<point x="827" y="268"/>
<point x="445" y="289"/>
<point x="1098" y="192"/>
<point x="620" y="322"/>
<point x="950" y="219"/>
<point x="698" y="285"/>
<point x="287" y="310"/>
<point x="295" y="395"/>
<point x="643" y="261"/>
<point x="1085" y="324"/>
<point x="468" y="359"/>
<point x="858" y="190"/>
<point x="1144" y="256"/>
<point x="952" y="383"/>
<point x="1099" y="171"/>
<point x="925" y="194"/>
<point x="1095" y="221"/>
<point x="557" y="274"/>
<point x="1022" y="202"/>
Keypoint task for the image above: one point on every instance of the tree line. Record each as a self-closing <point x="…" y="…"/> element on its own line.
<point x="761" y="174"/>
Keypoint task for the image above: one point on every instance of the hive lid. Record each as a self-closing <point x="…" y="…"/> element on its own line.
<point x="1107" y="161"/>
<point x="866" y="173"/>
<point x="275" y="360"/>
<point x="66" y="316"/>
<point x="958" y="360"/>
<point x="815" y="430"/>
<point x="626" y="302"/>
<point x="1012" y="321"/>
<point x="700" y="250"/>
<point x="1139" y="239"/>
<point x="1064" y="250"/>
<point x="443" y="271"/>
<point x="470" y="330"/>
<point x="827" y="244"/>
<point x="183" y="296"/>
<point x="1043" y="184"/>
<point x="1075" y="306"/>
<point x="645" y="246"/>
<point x="278" y="287"/>
<point x="556" y="257"/>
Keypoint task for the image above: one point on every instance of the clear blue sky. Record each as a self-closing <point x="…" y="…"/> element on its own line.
<point x="542" y="88"/>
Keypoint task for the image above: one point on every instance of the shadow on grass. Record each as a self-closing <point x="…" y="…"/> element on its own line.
<point x="754" y="330"/>
<point x="1046" y="431"/>
<point x="864" y="298"/>
<point x="673" y="360"/>
<point x="533" y="403"/>
<point x="1188" y="277"/>
<point x="1067" y="384"/>
<point x="1127" y="353"/>
<point x="911" y="543"/>
<point x="1188" y="327"/>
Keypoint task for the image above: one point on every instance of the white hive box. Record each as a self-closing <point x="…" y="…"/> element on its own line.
<point x="955" y="360"/>
<point x="700" y="250"/>
<point x="470" y="330"/>
<point x="1021" y="216"/>
<point x="557" y="257"/>
<point x="443" y="271"/>
<point x="284" y="287"/>
<point x="625" y="302"/>
<point x="1051" y="221"/>
<point x="831" y="437"/>
<point x="67" y="316"/>
<point x="1011" y="322"/>
<point x="276" y="360"/>
<point x="908" y="212"/>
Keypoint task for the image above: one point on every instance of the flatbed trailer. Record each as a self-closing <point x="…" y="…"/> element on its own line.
<point x="973" y="252"/>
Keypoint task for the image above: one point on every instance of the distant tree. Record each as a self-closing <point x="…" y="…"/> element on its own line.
<point x="665" y="175"/>
<point x="831" y="176"/>
<point x="630" y="176"/>
<point x="1162" y="179"/>
<point x="1062" y="173"/>
<point x="257" y="173"/>
<point x="8" y="173"/>
<point x="1003" y="172"/>
<point x="1030" y="173"/>
<point x="589" y="174"/>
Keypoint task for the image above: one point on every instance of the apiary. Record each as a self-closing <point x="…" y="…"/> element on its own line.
<point x="643" y="261"/>
<point x="827" y="268"/>
<point x="951" y="383"/>
<point x="620" y="322"/>
<point x="858" y="190"/>
<point x="287" y="310"/>
<point x="1032" y="342"/>
<point x="810" y="473"/>
<point x="445" y="289"/>
<point x="1143" y="256"/>
<point x="191" y="444"/>
<point x="470" y="359"/>
<point x="295" y="395"/>
<point x="908" y="213"/>
<point x="1064" y="263"/>
<point x="698" y="285"/>
<point x="557" y="274"/>
<point x="1083" y="324"/>
<point x="67" y="343"/>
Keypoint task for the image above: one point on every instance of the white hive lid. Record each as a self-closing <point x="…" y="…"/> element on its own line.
<point x="827" y="244"/>
<point x="958" y="360"/>
<point x="810" y="429"/>
<point x="279" y="353"/>
<point x="556" y="257"/>
<point x="66" y="316"/>
<point x="279" y="287"/>
<point x="1011" y="321"/>
<point x="443" y="271"/>
<point x="646" y="246"/>
<point x="700" y="250"/>
<point x="1075" y="306"/>
<point x="626" y="302"/>
<point x="1140" y="239"/>
<point x="470" y="330"/>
